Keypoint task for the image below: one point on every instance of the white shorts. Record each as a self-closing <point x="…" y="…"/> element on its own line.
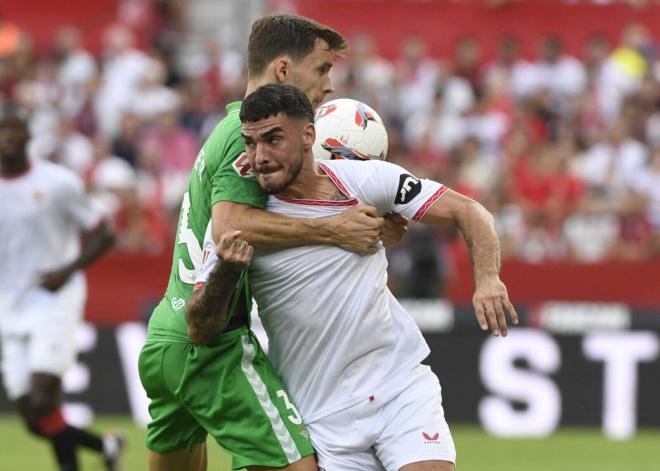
<point x="39" y="336"/>
<point x="372" y="436"/>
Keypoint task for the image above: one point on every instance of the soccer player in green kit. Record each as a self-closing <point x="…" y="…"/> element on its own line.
<point x="227" y="387"/>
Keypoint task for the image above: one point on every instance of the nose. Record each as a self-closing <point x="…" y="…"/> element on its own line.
<point x="262" y="156"/>
<point x="329" y="86"/>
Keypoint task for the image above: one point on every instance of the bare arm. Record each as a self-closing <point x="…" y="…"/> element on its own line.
<point x="97" y="242"/>
<point x="477" y="226"/>
<point x="357" y="229"/>
<point x="208" y="308"/>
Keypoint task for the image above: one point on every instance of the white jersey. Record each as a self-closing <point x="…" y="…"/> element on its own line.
<point x="42" y="213"/>
<point x="336" y="334"/>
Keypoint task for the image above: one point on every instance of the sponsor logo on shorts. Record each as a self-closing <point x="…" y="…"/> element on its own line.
<point x="430" y="439"/>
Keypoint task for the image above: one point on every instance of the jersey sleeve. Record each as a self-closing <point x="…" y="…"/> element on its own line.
<point x="75" y="202"/>
<point x="234" y="180"/>
<point x="209" y="260"/>
<point x="392" y="188"/>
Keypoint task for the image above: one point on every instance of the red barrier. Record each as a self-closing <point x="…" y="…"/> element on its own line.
<point x="442" y="23"/>
<point x="125" y="287"/>
<point x="41" y="18"/>
<point x="636" y="284"/>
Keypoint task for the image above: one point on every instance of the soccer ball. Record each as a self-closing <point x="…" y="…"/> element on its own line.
<point x="349" y="129"/>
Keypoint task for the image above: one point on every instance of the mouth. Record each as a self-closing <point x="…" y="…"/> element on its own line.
<point x="265" y="171"/>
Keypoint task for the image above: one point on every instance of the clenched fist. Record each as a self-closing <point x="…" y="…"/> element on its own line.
<point x="235" y="254"/>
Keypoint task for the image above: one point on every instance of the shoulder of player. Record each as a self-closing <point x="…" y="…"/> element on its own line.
<point x="225" y="140"/>
<point x="356" y="171"/>
<point x="57" y="174"/>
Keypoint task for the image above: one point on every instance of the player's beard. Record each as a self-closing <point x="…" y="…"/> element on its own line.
<point x="11" y="160"/>
<point x="290" y="178"/>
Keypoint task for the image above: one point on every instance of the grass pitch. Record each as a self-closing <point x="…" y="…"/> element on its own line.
<point x="567" y="450"/>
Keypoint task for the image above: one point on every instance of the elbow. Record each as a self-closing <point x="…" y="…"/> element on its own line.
<point x="473" y="218"/>
<point x="191" y="307"/>
<point x="201" y="329"/>
<point x="196" y="332"/>
<point x="473" y="210"/>
<point x="487" y="215"/>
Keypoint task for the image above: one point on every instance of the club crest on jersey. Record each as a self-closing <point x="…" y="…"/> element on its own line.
<point x="242" y="166"/>
<point x="409" y="187"/>
<point x="177" y="303"/>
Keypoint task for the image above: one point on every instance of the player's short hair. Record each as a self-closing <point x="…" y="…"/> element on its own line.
<point x="284" y="34"/>
<point x="275" y="98"/>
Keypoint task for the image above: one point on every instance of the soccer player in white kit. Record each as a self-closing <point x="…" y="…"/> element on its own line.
<point x="349" y="354"/>
<point x="43" y="212"/>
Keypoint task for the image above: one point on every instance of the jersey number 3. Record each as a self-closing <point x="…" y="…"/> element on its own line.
<point x="187" y="237"/>
<point x="295" y="417"/>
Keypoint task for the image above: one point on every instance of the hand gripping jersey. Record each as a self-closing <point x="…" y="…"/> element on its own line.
<point x="337" y="335"/>
<point x="220" y="173"/>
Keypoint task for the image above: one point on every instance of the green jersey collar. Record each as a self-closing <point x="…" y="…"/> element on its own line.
<point x="234" y="106"/>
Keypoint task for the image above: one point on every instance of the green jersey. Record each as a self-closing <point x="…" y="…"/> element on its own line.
<point x="221" y="173"/>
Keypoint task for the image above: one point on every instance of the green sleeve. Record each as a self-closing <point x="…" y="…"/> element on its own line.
<point x="233" y="179"/>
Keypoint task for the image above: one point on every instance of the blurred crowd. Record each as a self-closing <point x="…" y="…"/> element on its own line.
<point x="564" y="150"/>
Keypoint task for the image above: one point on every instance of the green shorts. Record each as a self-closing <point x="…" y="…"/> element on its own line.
<point x="229" y="390"/>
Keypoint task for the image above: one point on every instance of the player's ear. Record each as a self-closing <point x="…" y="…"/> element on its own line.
<point x="282" y="68"/>
<point x="309" y="135"/>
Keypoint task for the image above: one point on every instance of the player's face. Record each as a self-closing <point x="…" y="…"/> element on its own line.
<point x="312" y="73"/>
<point x="275" y="147"/>
<point x="13" y="139"/>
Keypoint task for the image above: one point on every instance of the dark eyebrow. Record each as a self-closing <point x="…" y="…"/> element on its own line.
<point x="268" y="134"/>
<point x="326" y="65"/>
<point x="265" y="135"/>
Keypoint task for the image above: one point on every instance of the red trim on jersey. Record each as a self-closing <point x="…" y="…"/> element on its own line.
<point x="18" y="175"/>
<point x="52" y="423"/>
<point x="351" y="202"/>
<point x="334" y="179"/>
<point x="425" y="207"/>
<point x="199" y="284"/>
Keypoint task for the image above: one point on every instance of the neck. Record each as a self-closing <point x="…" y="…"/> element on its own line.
<point x="14" y="167"/>
<point x="256" y="82"/>
<point x="312" y="183"/>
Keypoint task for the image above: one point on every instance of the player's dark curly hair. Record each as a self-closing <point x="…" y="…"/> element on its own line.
<point x="275" y="98"/>
<point x="283" y="34"/>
